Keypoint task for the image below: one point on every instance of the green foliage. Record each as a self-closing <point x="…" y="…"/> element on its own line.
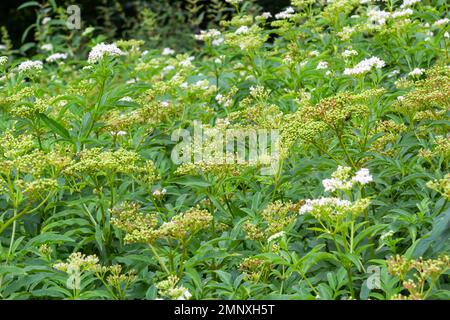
<point x="354" y="205"/>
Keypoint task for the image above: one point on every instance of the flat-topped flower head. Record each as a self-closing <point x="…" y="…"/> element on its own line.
<point x="363" y="176"/>
<point x="365" y="66"/>
<point x="56" y="57"/>
<point x="416" y="72"/>
<point x="3" y="60"/>
<point x="102" y="49"/>
<point x="29" y="65"/>
<point x="441" y="22"/>
<point x="167" y="52"/>
<point x="286" y="14"/>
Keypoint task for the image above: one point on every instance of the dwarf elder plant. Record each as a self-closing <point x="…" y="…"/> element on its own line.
<point x="355" y="204"/>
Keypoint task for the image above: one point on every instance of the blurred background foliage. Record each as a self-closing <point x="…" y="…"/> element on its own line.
<point x="161" y="23"/>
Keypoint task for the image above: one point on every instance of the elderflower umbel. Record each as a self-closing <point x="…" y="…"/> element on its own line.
<point x="167" y="52"/>
<point x="3" y="60"/>
<point x="30" y="66"/>
<point x="242" y="30"/>
<point x="349" y="53"/>
<point x="56" y="56"/>
<point x="286" y="14"/>
<point x="322" y="65"/>
<point x="100" y="50"/>
<point x="363" y="176"/>
<point x="365" y="66"/>
<point x="408" y="3"/>
<point x="441" y="22"/>
<point x="416" y="72"/>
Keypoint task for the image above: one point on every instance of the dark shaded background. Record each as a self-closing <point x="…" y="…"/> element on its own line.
<point x="17" y="21"/>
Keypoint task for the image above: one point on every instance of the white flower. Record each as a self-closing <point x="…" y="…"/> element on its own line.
<point x="388" y="234"/>
<point x="56" y="56"/>
<point x="167" y="52"/>
<point x="441" y="22"/>
<point x="378" y="16"/>
<point x="408" y="3"/>
<point x="286" y="14"/>
<point x="322" y="65"/>
<point x="217" y="42"/>
<point x="416" y="72"/>
<point x="209" y="34"/>
<point x="3" y="60"/>
<point x="159" y="193"/>
<point x="242" y="30"/>
<point x="266" y="15"/>
<point x="365" y="66"/>
<point x="126" y="99"/>
<point x="168" y="68"/>
<point x="323" y="202"/>
<point x="47" y="47"/>
<point x="446" y="35"/>
<point x="186" y="62"/>
<point x="30" y="66"/>
<point x="400" y="98"/>
<point x="363" y="176"/>
<point x="46" y="20"/>
<point x="2" y="47"/>
<point x="100" y="50"/>
<point x="349" y="53"/>
<point x="402" y="13"/>
<point x="314" y="53"/>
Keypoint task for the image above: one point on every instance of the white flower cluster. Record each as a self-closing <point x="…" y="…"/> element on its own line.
<point x="349" y="53"/>
<point x="378" y="16"/>
<point x="365" y="66"/>
<point x="168" y="52"/>
<point x="286" y="14"/>
<point x="266" y="15"/>
<point x="408" y="3"/>
<point x="159" y="193"/>
<point x="30" y="66"/>
<point x="100" y="50"/>
<point x="211" y="34"/>
<point x="242" y="30"/>
<point x="311" y="204"/>
<point x="208" y="34"/>
<point x="322" y="65"/>
<point x="187" y="62"/>
<point x="3" y="60"/>
<point x="416" y="72"/>
<point x="402" y="13"/>
<point x="47" y="47"/>
<point x="441" y="22"/>
<point x="221" y="99"/>
<point x="362" y="176"/>
<point x="340" y="179"/>
<point x="56" y="56"/>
